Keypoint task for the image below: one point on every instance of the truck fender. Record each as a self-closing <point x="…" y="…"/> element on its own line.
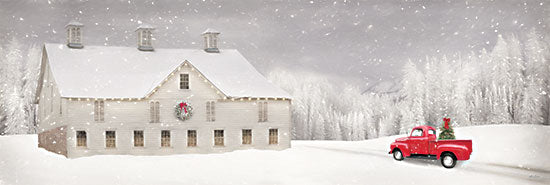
<point x="459" y="151"/>
<point x="403" y="147"/>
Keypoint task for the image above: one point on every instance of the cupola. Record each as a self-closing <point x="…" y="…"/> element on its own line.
<point x="211" y="40"/>
<point x="74" y="34"/>
<point x="145" y="36"/>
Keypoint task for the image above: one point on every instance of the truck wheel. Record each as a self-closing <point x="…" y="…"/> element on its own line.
<point x="448" y="160"/>
<point x="397" y="155"/>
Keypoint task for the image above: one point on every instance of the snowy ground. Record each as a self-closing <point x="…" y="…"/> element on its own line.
<point x="503" y="154"/>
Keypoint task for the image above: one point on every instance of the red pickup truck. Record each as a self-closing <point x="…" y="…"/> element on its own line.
<point x="422" y="143"/>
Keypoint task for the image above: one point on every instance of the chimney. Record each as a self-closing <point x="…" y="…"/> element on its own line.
<point x="74" y="34"/>
<point x="144" y="36"/>
<point x="211" y="40"/>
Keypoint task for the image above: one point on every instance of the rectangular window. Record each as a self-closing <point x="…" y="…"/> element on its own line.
<point x="81" y="139"/>
<point x="184" y="81"/>
<point x="247" y="136"/>
<point x="218" y="137"/>
<point x="191" y="138"/>
<point x="165" y="138"/>
<point x="154" y="108"/>
<point x="138" y="138"/>
<point x="99" y="111"/>
<point x="262" y="111"/>
<point x="273" y="136"/>
<point x="210" y="111"/>
<point x="110" y="139"/>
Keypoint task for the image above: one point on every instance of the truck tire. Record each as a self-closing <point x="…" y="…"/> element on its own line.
<point x="448" y="160"/>
<point x="398" y="155"/>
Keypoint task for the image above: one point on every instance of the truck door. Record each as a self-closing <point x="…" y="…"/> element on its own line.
<point x="417" y="137"/>
<point x="431" y="142"/>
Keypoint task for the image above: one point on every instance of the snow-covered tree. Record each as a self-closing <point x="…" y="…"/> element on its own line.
<point x="508" y="84"/>
<point x="464" y="99"/>
<point x="538" y="74"/>
<point x="18" y="72"/>
<point x="501" y="84"/>
<point x="3" y="87"/>
<point x="11" y="75"/>
<point x="413" y="92"/>
<point x="531" y="107"/>
<point x="30" y="84"/>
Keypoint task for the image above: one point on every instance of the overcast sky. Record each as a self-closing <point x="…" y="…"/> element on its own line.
<point x="357" y="41"/>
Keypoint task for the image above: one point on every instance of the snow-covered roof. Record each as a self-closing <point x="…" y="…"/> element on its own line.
<point x="145" y="26"/>
<point x="210" y="30"/>
<point x="125" y="72"/>
<point x="74" y="23"/>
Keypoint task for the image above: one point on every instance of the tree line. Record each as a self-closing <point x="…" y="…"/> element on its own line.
<point x="508" y="85"/>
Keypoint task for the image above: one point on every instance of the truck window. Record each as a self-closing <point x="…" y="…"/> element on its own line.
<point x="417" y="132"/>
<point x="431" y="132"/>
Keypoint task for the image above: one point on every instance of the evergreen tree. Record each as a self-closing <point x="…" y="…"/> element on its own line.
<point x="447" y="132"/>
<point x="11" y="93"/>
<point x="412" y="105"/>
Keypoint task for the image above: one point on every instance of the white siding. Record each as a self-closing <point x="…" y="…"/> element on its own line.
<point x="48" y="107"/>
<point x="126" y="116"/>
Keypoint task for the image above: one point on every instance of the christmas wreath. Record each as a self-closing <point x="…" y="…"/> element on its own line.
<point x="183" y="110"/>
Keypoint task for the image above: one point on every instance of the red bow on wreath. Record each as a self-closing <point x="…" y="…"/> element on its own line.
<point x="184" y="107"/>
<point x="447" y="120"/>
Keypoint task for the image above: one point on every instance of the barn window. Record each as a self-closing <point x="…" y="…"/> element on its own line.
<point x="210" y="111"/>
<point x="146" y="38"/>
<point x="247" y="136"/>
<point x="184" y="81"/>
<point x="75" y="35"/>
<point x="218" y="137"/>
<point x="110" y="139"/>
<point x="273" y="136"/>
<point x="138" y="138"/>
<point x="165" y="138"/>
<point x="191" y="138"/>
<point x="81" y="139"/>
<point x="99" y="111"/>
<point x="154" y="108"/>
<point x="262" y="111"/>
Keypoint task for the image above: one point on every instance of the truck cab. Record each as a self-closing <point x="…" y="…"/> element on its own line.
<point x="423" y="143"/>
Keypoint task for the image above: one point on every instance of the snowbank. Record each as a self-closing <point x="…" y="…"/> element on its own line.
<point x="498" y="151"/>
<point x="522" y="146"/>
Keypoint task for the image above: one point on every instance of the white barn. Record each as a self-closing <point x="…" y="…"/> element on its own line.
<point x="147" y="101"/>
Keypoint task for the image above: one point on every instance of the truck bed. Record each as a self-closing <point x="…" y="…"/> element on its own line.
<point x="433" y="144"/>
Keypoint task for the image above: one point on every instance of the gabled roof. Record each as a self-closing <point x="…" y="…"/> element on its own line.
<point x="126" y="72"/>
